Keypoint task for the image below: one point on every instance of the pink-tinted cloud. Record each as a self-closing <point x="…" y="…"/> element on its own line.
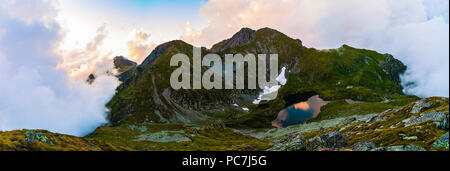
<point x="36" y="94"/>
<point x="139" y="47"/>
<point x="414" y="31"/>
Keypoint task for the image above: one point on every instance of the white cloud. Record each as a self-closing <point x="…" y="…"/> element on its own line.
<point x="29" y="10"/>
<point x="414" y="31"/>
<point x="36" y="94"/>
<point x="139" y="46"/>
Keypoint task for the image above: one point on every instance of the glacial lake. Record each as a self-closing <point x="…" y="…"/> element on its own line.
<point x="300" y="112"/>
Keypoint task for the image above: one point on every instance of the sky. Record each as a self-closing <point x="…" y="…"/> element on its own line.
<point x="48" y="47"/>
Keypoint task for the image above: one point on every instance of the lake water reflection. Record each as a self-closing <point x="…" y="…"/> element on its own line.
<point x="299" y="112"/>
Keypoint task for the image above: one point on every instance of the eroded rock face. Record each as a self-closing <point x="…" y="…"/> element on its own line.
<point x="393" y="67"/>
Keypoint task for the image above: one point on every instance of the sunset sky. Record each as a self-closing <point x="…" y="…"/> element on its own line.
<point x="48" y="46"/>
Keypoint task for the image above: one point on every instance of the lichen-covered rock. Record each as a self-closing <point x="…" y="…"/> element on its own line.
<point x="444" y="124"/>
<point x="433" y="116"/>
<point x="316" y="144"/>
<point x="291" y="143"/>
<point x="417" y="106"/>
<point x="332" y="140"/>
<point x="442" y="142"/>
<point x="364" y="146"/>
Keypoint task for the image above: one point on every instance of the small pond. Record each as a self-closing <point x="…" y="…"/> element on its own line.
<point x="299" y="112"/>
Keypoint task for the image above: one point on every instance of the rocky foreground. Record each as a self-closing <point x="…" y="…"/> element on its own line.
<point x="419" y="126"/>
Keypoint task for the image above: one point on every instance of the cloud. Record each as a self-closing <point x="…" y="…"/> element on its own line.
<point x="414" y="31"/>
<point x="139" y="47"/>
<point x="36" y="94"/>
<point x="80" y="62"/>
<point x="29" y="10"/>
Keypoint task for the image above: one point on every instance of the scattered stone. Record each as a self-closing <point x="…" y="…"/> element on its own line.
<point x="375" y="119"/>
<point x="364" y="146"/>
<point x="442" y="142"/>
<point x="164" y="136"/>
<point x="433" y="116"/>
<point x="405" y="148"/>
<point x="412" y="138"/>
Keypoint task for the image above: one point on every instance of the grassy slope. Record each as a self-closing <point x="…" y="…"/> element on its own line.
<point x="16" y="141"/>
<point x="210" y="138"/>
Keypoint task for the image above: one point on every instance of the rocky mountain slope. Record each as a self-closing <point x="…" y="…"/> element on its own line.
<point x="418" y="126"/>
<point x="365" y="110"/>
<point x="335" y="74"/>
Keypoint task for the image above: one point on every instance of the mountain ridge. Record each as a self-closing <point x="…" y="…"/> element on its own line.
<point x="372" y="76"/>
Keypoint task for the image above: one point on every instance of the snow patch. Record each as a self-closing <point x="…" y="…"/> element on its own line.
<point x="270" y="91"/>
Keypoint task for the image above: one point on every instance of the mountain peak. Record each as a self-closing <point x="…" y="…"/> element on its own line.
<point x="159" y="50"/>
<point x="244" y="36"/>
<point x="120" y="62"/>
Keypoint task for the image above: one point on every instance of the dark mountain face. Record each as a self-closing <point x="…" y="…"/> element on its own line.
<point x="125" y="67"/>
<point x="242" y="37"/>
<point x="344" y="73"/>
<point x="121" y="62"/>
